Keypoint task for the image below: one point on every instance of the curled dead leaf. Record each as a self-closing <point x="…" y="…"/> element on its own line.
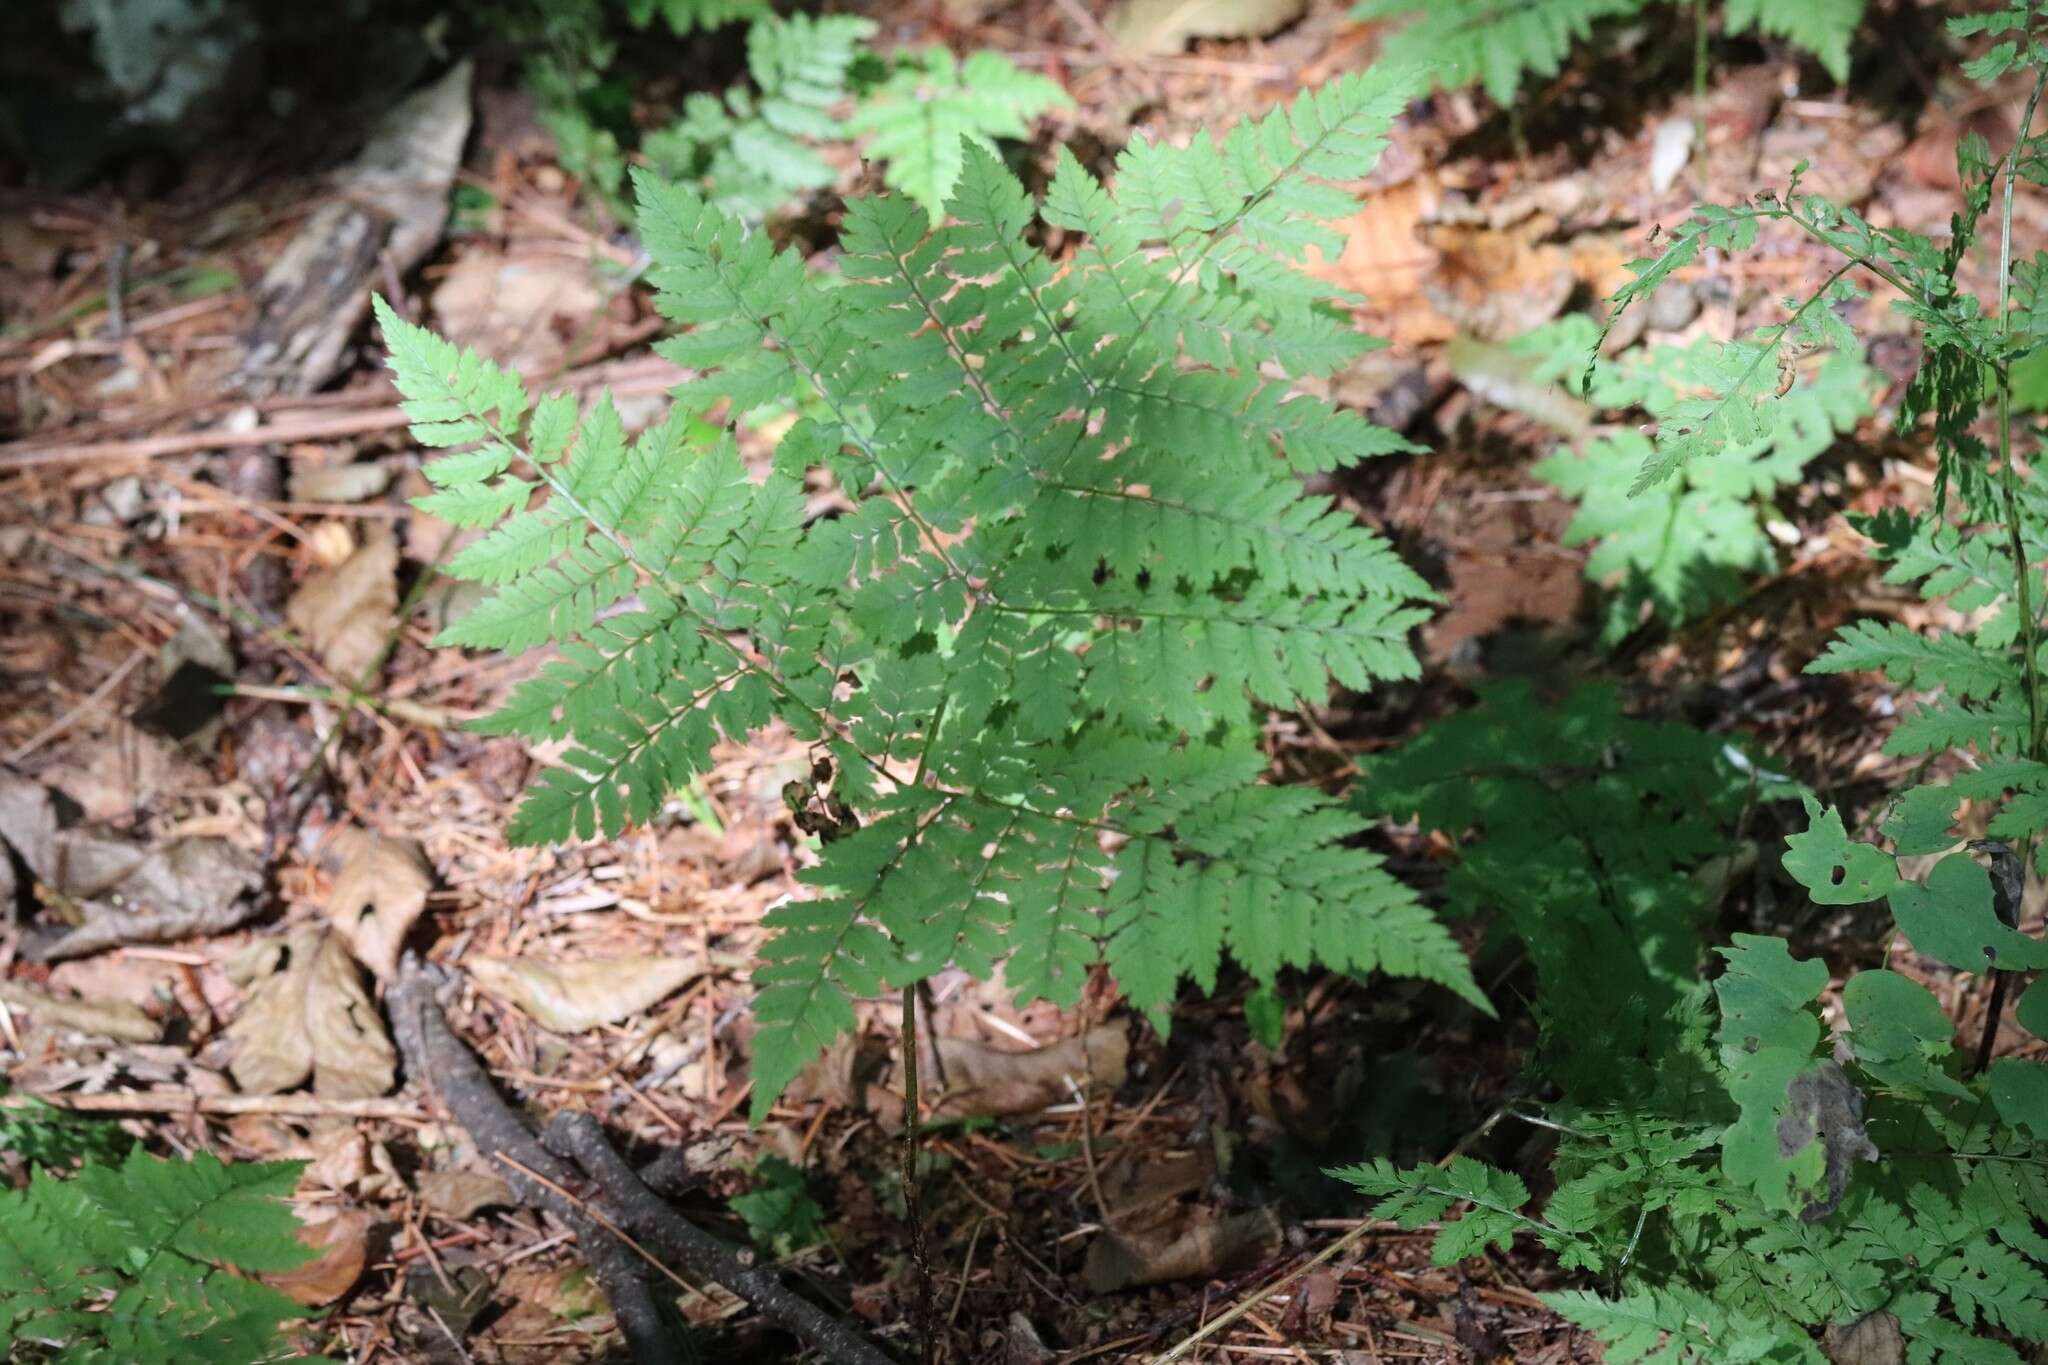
<point x="379" y="891"/>
<point x="1197" y="1246"/>
<point x="1873" y="1339"/>
<point x="113" y="891"/>
<point x="507" y="308"/>
<point x="342" y="1248"/>
<point x="984" y="1080"/>
<point x="462" y="1194"/>
<point x="345" y="1160"/>
<point x="103" y="1018"/>
<point x="573" y="997"/>
<point x="1164" y="27"/>
<point x="339" y="482"/>
<point x="307" y="1015"/>
<point x="347" y="612"/>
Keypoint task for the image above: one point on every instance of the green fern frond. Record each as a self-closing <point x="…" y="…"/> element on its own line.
<point x="146" y="1261"/>
<point x="1036" y="630"/>
<point x="1822" y="28"/>
<point x="916" y="121"/>
<point x="757" y="148"/>
<point x="1496" y="43"/>
<point x="685" y="16"/>
<point x="1689" y="545"/>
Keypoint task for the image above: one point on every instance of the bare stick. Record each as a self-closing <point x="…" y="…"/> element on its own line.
<point x="192" y="1102"/>
<point x="649" y="1218"/>
<point x="1250" y="1301"/>
<point x="434" y="1054"/>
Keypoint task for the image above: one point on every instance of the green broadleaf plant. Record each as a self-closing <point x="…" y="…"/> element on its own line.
<point x="1075" y="559"/>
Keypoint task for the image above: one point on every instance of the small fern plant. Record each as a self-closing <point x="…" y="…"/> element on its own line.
<point x="1756" y="1191"/>
<point x="1691" y="544"/>
<point x="757" y="147"/>
<point x="1598" y="842"/>
<point x="932" y="105"/>
<point x="1498" y="44"/>
<point x="815" y="84"/>
<point x="1979" y="547"/>
<point x="149" y="1261"/>
<point x="1074" y="557"/>
<point x="1751" y="1186"/>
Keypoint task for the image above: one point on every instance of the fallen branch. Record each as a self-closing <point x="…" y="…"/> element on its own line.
<point x="645" y="1214"/>
<point x="436" y="1056"/>
<point x="623" y="1218"/>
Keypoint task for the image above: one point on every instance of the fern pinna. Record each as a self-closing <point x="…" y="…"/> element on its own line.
<point x="1074" y="552"/>
<point x="147" y="1263"/>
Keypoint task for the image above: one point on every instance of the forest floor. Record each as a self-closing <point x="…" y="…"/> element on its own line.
<point x="178" y="508"/>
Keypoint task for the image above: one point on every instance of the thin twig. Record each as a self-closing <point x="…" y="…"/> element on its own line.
<point x="192" y="1102"/>
<point x="70" y="718"/>
<point x="920" y="1254"/>
<point x="364" y="421"/>
<point x="1246" y="1304"/>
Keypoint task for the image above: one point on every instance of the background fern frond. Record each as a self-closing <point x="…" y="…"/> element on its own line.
<point x="917" y="119"/>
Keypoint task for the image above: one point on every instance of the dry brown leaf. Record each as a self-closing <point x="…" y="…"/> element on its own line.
<point x="114" y="891"/>
<point x="345" y="1160"/>
<point x="1874" y="1339"/>
<point x="101" y="1018"/>
<point x="348" y="612"/>
<point x="379" y="891"/>
<point x="461" y="1194"/>
<point x="1142" y="1192"/>
<point x="510" y="309"/>
<point x="988" y="1081"/>
<point x="1507" y="379"/>
<point x="573" y="997"/>
<point x="1197" y="1246"/>
<point x="839" y="1075"/>
<point x="339" y="482"/>
<point x="1163" y="27"/>
<point x="343" y="1247"/>
<point x="306" y="1014"/>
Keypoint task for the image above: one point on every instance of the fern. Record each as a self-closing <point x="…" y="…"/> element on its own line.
<point x="1740" y="1198"/>
<point x="148" y="1262"/>
<point x="1034" y="644"/>
<point x="1822" y="27"/>
<point x="814" y="83"/>
<point x="1498" y="44"/>
<point x="685" y="16"/>
<point x="1588" y="830"/>
<point x="1687" y="545"/>
<point x="1754" y="1178"/>
<point x="917" y="121"/>
<point x="40" y="1134"/>
<point x="756" y="149"/>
